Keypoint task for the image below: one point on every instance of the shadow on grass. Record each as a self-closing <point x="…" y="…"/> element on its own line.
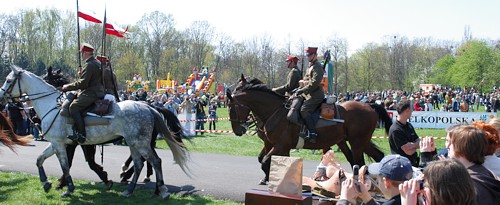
<point x="9" y="187"/>
<point x="95" y="193"/>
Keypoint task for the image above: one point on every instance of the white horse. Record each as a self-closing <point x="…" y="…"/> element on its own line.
<point x="134" y="121"/>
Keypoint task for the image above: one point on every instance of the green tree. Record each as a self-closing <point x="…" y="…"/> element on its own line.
<point x="475" y="62"/>
<point x="440" y="72"/>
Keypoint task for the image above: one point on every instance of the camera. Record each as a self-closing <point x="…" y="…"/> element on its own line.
<point x="355" y="172"/>
<point x="420" y="183"/>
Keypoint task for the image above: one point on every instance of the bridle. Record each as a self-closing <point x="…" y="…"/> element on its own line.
<point x="246" y="122"/>
<point x="8" y="95"/>
<point x="17" y="77"/>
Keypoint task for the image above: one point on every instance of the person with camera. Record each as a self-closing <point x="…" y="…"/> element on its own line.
<point x="468" y="144"/>
<point x="201" y="116"/>
<point x="392" y="171"/>
<point x="440" y="185"/>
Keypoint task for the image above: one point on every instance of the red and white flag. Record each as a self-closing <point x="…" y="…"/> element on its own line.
<point x="115" y="30"/>
<point x="111" y="29"/>
<point x="89" y="16"/>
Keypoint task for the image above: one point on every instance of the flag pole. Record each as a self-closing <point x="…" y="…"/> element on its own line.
<point x="78" y="34"/>
<point x="103" y="49"/>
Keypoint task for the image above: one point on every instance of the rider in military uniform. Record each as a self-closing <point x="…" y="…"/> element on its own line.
<point x="91" y="89"/>
<point x="311" y="91"/>
<point x="294" y="76"/>
<point x="109" y="79"/>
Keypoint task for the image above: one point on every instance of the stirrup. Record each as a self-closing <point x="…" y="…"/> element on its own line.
<point x="311" y="137"/>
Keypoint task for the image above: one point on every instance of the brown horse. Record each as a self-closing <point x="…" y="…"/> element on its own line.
<point x="280" y="135"/>
<point x="7" y="135"/>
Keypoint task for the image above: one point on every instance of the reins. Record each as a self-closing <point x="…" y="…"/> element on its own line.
<point x="17" y="78"/>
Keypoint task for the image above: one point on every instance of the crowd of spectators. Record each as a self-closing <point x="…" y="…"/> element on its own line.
<point x="203" y="106"/>
<point x="446" y="99"/>
<point x="24" y="119"/>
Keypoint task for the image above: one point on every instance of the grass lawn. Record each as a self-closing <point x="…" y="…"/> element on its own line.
<point x="23" y="188"/>
<point x="250" y="145"/>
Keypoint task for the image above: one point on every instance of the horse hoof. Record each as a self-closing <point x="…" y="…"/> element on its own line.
<point x="47" y="186"/>
<point x="60" y="186"/>
<point x="146" y="180"/>
<point x="165" y="196"/>
<point x="164" y="192"/>
<point x="66" y="194"/>
<point x="262" y="182"/>
<point x="126" y="193"/>
<point x="124" y="168"/>
<point x="109" y="185"/>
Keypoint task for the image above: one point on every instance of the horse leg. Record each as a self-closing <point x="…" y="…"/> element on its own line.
<point x="152" y="158"/>
<point x="138" y="165"/>
<point x="357" y="153"/>
<point x="89" y="153"/>
<point x="49" y="151"/>
<point x="149" y="167"/>
<point x="375" y="153"/>
<point x="70" y="151"/>
<point x="125" y="166"/>
<point x="346" y="150"/>
<point x="264" y="165"/>
<point x="63" y="161"/>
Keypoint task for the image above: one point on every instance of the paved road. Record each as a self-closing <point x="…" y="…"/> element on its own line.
<point x="219" y="176"/>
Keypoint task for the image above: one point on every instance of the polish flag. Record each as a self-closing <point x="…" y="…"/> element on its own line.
<point x="89" y="16"/>
<point x="113" y="29"/>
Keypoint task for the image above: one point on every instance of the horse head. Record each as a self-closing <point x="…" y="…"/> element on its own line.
<point x="238" y="114"/>
<point x="55" y="78"/>
<point x="11" y="87"/>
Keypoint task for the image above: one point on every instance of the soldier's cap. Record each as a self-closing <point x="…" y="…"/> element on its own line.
<point x="102" y="58"/>
<point x="87" y="48"/>
<point x="292" y="58"/>
<point x="311" y="50"/>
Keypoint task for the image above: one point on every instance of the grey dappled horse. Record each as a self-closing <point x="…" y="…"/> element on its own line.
<point x="134" y="121"/>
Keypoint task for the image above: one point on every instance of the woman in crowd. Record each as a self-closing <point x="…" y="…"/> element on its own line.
<point x="491" y="161"/>
<point x="440" y="186"/>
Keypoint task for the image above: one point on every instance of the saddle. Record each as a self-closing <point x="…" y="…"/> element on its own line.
<point x="99" y="113"/>
<point x="325" y="115"/>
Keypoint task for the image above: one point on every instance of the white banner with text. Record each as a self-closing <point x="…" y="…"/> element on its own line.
<point x="421" y="119"/>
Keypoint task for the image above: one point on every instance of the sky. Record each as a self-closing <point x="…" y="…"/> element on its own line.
<point x="313" y="21"/>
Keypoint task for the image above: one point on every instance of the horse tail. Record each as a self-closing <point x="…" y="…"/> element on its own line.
<point x="7" y="135"/>
<point x="179" y="151"/>
<point x="382" y="115"/>
<point x="173" y="123"/>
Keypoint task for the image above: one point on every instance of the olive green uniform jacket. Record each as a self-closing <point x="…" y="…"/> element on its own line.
<point x="312" y="91"/>
<point x="89" y="84"/>
<point x="109" y="79"/>
<point x="294" y="76"/>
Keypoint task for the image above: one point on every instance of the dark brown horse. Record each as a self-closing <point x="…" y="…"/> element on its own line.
<point x="7" y="135"/>
<point x="280" y="135"/>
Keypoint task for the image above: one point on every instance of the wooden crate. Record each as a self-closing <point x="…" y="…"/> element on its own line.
<point x="260" y="197"/>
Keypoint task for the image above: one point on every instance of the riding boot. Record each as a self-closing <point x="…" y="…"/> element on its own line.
<point x="311" y="134"/>
<point x="78" y="129"/>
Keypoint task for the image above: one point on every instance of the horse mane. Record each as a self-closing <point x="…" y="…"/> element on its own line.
<point x="258" y="85"/>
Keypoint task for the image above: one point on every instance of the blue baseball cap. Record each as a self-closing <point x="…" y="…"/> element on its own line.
<point x="394" y="167"/>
